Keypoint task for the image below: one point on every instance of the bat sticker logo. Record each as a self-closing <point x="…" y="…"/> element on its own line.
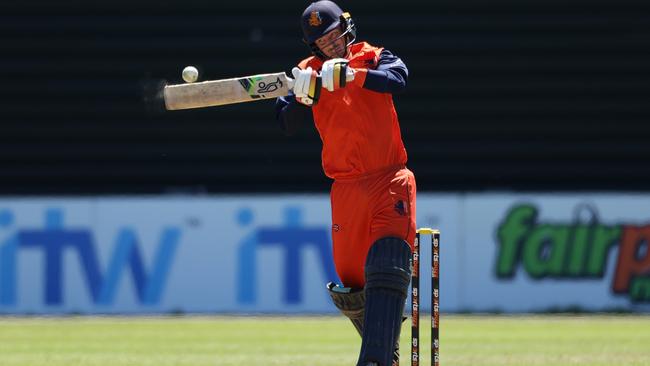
<point x="269" y="87"/>
<point x="262" y="87"/>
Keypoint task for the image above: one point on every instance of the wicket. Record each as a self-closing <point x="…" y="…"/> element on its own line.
<point x="435" y="298"/>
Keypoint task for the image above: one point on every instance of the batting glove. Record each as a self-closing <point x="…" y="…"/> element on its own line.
<point x="336" y="73"/>
<point x="306" y="85"/>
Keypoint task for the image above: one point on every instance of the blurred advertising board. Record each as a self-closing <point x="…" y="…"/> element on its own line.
<point x="272" y="253"/>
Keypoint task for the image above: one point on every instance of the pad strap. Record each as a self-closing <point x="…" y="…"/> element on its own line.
<point x="351" y="302"/>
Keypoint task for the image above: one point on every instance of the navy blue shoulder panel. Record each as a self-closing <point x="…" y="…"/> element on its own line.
<point x="390" y="75"/>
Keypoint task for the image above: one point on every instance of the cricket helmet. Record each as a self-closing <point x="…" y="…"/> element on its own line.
<point x="322" y="17"/>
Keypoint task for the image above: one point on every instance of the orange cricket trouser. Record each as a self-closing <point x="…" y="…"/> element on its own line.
<point x="366" y="209"/>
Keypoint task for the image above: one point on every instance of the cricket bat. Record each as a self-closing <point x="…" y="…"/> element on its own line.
<point x="228" y="91"/>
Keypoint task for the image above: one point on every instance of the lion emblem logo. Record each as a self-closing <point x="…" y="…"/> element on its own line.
<point x="315" y="19"/>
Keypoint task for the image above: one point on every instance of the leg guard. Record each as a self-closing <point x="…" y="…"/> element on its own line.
<point x="351" y="302"/>
<point x="388" y="275"/>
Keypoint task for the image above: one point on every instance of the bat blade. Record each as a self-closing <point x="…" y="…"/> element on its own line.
<point x="226" y="91"/>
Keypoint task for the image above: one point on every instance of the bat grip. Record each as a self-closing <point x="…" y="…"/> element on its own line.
<point x="348" y="77"/>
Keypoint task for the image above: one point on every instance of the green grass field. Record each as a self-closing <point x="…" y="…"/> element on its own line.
<point x="316" y="341"/>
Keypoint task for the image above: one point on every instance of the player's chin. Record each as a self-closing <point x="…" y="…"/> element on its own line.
<point x="335" y="53"/>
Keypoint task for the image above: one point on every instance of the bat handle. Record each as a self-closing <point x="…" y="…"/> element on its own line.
<point x="349" y="76"/>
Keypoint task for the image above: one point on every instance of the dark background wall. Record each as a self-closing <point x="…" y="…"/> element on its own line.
<point x="505" y="94"/>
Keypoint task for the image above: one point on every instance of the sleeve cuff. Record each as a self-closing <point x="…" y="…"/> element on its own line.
<point x="360" y="77"/>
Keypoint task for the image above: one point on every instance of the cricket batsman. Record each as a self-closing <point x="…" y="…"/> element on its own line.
<point x="345" y="88"/>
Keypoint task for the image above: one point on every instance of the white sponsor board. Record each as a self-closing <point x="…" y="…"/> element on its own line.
<point x="272" y="253"/>
<point x="541" y="252"/>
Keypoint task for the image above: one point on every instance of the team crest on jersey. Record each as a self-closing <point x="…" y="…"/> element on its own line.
<point x="314" y="19"/>
<point x="400" y="208"/>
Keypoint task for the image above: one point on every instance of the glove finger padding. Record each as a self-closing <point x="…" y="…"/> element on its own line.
<point x="334" y="73"/>
<point x="307" y="85"/>
<point x="340" y="72"/>
<point x="298" y="82"/>
<point x="315" y="86"/>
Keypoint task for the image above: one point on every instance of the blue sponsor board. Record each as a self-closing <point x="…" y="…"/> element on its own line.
<point x="165" y="255"/>
<point x="52" y="239"/>
<point x="273" y="254"/>
<point x="245" y="254"/>
<point x="292" y="237"/>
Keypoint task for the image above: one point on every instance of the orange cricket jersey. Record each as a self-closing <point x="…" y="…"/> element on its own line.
<point x="359" y="127"/>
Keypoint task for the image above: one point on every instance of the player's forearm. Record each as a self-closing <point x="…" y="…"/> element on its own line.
<point x="390" y="76"/>
<point x="291" y="115"/>
<point x="385" y="81"/>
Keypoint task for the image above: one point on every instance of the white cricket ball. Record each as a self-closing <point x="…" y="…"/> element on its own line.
<point x="190" y="74"/>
